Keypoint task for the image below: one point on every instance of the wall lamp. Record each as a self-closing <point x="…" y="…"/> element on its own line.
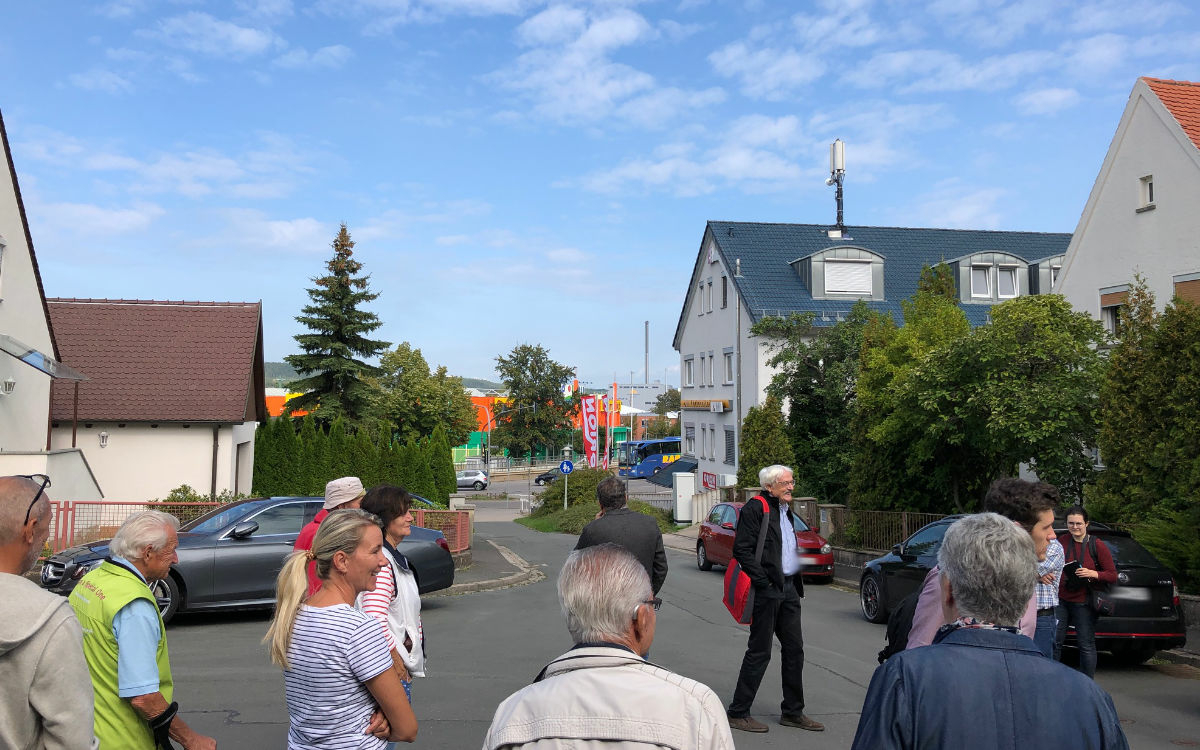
<point x="103" y="439"/>
<point x="7" y="386"/>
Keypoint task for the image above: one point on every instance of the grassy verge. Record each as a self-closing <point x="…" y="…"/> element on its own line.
<point x="538" y="523"/>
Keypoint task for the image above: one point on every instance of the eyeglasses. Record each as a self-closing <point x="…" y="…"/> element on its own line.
<point x="657" y="602"/>
<point x="45" y="480"/>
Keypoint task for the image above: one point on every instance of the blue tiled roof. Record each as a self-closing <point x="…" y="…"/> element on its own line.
<point x="770" y="286"/>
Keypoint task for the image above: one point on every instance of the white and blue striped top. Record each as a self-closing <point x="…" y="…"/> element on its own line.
<point x="334" y="651"/>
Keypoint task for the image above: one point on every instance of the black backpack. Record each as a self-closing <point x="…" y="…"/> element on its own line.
<point x="899" y="624"/>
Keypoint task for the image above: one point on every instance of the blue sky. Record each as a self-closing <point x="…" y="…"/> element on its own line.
<point x="517" y="171"/>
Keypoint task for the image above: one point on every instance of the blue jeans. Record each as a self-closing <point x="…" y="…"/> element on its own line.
<point x="1046" y="633"/>
<point x="1083" y="617"/>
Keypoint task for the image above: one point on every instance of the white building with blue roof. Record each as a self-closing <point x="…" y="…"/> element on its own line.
<point x="747" y="271"/>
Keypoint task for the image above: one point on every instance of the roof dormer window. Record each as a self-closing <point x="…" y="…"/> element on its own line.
<point x="981" y="281"/>
<point x="1006" y="282"/>
<point x="841" y="273"/>
<point x="848" y="277"/>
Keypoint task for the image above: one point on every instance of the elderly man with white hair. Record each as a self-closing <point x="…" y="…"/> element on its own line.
<point x="982" y="684"/>
<point x="773" y="565"/>
<point x="125" y="640"/>
<point x="603" y="693"/>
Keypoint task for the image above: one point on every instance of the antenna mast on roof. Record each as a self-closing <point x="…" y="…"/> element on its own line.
<point x="837" y="175"/>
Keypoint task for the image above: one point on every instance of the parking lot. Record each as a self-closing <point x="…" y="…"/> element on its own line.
<point x="487" y="644"/>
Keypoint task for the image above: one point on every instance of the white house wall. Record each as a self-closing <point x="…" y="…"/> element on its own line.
<point x="142" y="463"/>
<point x="1113" y="240"/>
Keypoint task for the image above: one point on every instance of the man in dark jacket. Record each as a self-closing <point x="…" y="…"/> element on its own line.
<point x="626" y="528"/>
<point x="982" y="684"/>
<point x="778" y="589"/>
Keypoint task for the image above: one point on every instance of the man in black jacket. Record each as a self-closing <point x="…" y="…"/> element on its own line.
<point x="626" y="528"/>
<point x="778" y="588"/>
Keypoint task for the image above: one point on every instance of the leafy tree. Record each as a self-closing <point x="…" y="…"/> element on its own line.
<point x="537" y="409"/>
<point x="332" y="382"/>
<point x="764" y="442"/>
<point x="667" y="401"/>
<point x="662" y="427"/>
<point x="817" y="374"/>
<point x="938" y="281"/>
<point x="416" y="401"/>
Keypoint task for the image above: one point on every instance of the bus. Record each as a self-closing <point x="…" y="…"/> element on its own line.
<point x="642" y="458"/>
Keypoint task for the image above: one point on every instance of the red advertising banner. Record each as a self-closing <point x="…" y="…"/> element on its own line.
<point x="591" y="438"/>
<point x="607" y="433"/>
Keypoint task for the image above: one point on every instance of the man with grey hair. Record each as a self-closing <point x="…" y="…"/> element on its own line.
<point x="778" y="589"/>
<point x="47" y="698"/>
<point x="982" y="684"/>
<point x="603" y="692"/>
<point x="620" y="525"/>
<point x="125" y="640"/>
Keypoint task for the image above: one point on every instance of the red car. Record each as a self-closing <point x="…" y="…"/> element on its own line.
<point x="714" y="545"/>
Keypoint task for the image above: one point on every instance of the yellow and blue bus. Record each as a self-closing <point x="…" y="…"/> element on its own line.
<point x="643" y="458"/>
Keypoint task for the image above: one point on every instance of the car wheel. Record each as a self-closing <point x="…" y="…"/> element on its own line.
<point x="702" y="561"/>
<point x="167" y="594"/>
<point x="478" y="485"/>
<point x="870" y="598"/>
<point x="539" y="481"/>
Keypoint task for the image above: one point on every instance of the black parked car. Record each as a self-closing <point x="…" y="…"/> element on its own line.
<point x="1147" y="615"/>
<point x="547" y="476"/>
<point x="229" y="557"/>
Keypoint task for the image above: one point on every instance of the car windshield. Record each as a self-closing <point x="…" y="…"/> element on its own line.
<point x="219" y="518"/>
<point x="1129" y="554"/>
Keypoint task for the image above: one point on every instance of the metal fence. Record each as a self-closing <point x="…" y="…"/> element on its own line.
<point x="75" y="522"/>
<point x="872" y="529"/>
<point x="662" y="500"/>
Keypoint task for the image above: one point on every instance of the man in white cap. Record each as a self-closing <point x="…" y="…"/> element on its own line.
<point x="340" y="494"/>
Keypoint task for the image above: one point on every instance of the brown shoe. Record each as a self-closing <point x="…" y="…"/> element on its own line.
<point x="748" y="724"/>
<point x="800" y="722"/>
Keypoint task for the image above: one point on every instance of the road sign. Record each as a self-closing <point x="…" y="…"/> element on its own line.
<point x="566" y="467"/>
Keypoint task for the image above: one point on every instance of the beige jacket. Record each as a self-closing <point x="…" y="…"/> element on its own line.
<point x="46" y="701"/>
<point x="593" y="696"/>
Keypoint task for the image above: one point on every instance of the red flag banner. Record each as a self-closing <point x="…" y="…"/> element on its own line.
<point x="607" y="433"/>
<point x="591" y="438"/>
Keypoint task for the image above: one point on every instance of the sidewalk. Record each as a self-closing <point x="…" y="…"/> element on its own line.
<point x="493" y="566"/>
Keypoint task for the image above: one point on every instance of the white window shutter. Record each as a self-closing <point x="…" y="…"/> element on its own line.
<point x="847" y="278"/>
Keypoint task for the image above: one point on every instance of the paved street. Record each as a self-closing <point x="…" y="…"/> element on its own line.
<point x="485" y="645"/>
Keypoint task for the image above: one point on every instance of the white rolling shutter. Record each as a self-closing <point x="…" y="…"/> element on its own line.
<point x="847" y="277"/>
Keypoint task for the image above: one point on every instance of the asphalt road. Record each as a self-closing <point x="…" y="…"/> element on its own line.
<point x="485" y="645"/>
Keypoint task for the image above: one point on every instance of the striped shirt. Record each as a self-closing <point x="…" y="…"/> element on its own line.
<point x="1047" y="593"/>
<point x="334" y="650"/>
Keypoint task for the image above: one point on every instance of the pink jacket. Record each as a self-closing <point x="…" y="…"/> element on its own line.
<point x="928" y="616"/>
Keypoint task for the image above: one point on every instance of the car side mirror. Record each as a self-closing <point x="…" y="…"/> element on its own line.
<point x="897" y="549"/>
<point x="727" y="525"/>
<point x="243" y="529"/>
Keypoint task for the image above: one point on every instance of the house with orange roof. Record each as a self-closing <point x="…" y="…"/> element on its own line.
<point x="1141" y="215"/>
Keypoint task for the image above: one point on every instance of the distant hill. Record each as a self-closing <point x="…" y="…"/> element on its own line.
<point x="279" y="374"/>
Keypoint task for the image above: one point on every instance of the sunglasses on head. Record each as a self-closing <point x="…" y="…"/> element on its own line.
<point x="45" y="480"/>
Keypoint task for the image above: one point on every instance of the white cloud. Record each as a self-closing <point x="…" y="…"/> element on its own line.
<point x="1046" y="101"/>
<point x="201" y="33"/>
<point x="767" y="73"/>
<point x="557" y="24"/>
<point x="1103" y="15"/>
<point x="845" y="23"/>
<point x="254" y="230"/>
<point x="89" y="219"/>
<point x="954" y="205"/>
<point x="660" y="107"/>
<point x="269" y="10"/>
<point x="676" y="31"/>
<point x="924" y="71"/>
<point x="568" y="256"/>
<point x="98" y="79"/>
<point x="334" y="56"/>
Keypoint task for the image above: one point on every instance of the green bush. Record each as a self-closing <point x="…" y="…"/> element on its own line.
<point x="581" y="488"/>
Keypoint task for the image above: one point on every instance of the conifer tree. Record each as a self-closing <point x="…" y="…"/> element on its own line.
<point x="363" y="459"/>
<point x="421" y="477"/>
<point x="287" y="448"/>
<point x="266" y="460"/>
<point x="339" y="450"/>
<point x="441" y="462"/>
<point x="314" y="458"/>
<point x="764" y="442"/>
<point x="331" y="365"/>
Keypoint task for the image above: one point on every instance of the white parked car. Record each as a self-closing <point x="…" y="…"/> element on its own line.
<point x="475" y="479"/>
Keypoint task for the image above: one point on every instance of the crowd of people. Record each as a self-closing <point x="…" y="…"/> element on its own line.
<point x="980" y="667"/>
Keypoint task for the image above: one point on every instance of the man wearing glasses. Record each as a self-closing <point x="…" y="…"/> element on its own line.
<point x="778" y="589"/>
<point x="603" y="691"/>
<point x="46" y="701"/>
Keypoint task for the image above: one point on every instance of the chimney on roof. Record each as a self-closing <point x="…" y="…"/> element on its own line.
<point x="837" y="175"/>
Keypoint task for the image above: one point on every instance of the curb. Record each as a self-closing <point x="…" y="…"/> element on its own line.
<point x="1179" y="656"/>
<point x="525" y="574"/>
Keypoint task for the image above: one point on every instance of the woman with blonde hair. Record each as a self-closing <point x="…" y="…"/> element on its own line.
<point x="340" y="685"/>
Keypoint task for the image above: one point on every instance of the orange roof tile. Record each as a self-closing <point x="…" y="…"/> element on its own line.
<point x="1182" y="99"/>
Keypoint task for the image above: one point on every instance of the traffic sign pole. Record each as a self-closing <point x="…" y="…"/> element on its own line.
<point x="566" y="467"/>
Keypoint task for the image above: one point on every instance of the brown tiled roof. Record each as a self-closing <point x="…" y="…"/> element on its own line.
<point x="37" y="274"/>
<point x="1182" y="99"/>
<point x="152" y="361"/>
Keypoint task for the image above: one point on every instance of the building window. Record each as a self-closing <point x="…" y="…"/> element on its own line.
<point x="981" y="281"/>
<point x="687" y="372"/>
<point x="712" y="367"/>
<point x="728" y="368"/>
<point x="689" y="440"/>
<point x="1006" y="282"/>
<point x="724" y="292"/>
<point x="1147" y="192"/>
<point x="1188" y="288"/>
<point x="710" y="292"/>
<point x="700" y="299"/>
<point x="1112" y="302"/>
<point x="1054" y="275"/>
<point x="730" y="448"/>
<point x="847" y="277"/>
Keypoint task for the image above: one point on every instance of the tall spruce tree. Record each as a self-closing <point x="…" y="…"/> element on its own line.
<point x="441" y="462"/>
<point x="266" y="460"/>
<point x="332" y="378"/>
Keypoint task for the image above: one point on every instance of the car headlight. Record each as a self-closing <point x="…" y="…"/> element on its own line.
<point x="826" y="549"/>
<point x="81" y="569"/>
